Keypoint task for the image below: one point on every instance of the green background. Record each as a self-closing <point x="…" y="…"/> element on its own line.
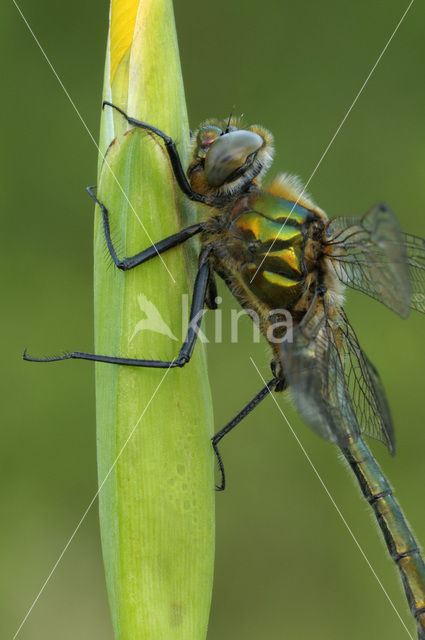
<point x="286" y="566"/>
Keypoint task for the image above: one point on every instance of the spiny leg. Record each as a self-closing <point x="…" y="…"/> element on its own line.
<point x="268" y="388"/>
<point x="185" y="353"/>
<point x="147" y="254"/>
<point x="173" y="154"/>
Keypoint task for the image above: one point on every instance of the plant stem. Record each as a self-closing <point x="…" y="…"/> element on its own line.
<point x="157" y="504"/>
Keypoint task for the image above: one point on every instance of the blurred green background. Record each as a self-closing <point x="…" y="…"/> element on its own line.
<point x="286" y="567"/>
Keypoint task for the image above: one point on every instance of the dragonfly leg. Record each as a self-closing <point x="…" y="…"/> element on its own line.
<point x="147" y="254"/>
<point x="268" y="388"/>
<point x="211" y="296"/>
<point x="185" y="353"/>
<point x="173" y="154"/>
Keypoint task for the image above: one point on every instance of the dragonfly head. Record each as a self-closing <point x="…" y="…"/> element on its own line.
<point x="226" y="160"/>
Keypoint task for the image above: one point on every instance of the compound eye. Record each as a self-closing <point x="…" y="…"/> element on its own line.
<point x="206" y="136"/>
<point x="231" y="152"/>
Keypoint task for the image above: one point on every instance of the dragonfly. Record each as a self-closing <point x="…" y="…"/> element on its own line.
<point x="277" y="252"/>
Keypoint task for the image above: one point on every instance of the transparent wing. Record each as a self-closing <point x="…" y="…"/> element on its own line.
<point x="335" y="387"/>
<point x="415" y="253"/>
<point x="370" y="254"/>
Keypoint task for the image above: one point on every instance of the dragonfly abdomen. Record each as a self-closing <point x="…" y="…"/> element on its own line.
<point x="398" y="537"/>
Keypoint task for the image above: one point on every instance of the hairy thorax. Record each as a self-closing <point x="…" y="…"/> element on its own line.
<point x="271" y="252"/>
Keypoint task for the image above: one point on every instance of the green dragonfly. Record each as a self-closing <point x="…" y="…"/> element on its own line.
<point x="277" y="252"/>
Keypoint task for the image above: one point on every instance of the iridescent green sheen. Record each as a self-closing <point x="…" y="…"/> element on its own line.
<point x="206" y="136"/>
<point x="281" y="210"/>
<point x="259" y="227"/>
<point x="275" y="245"/>
<point x="275" y="290"/>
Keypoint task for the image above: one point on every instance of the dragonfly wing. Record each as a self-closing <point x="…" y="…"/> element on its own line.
<point x="415" y="252"/>
<point x="333" y="384"/>
<point x="316" y="381"/>
<point x="369" y="254"/>
<point x="365" y="387"/>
